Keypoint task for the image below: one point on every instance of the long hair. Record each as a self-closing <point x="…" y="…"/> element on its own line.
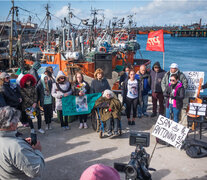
<point x="99" y="70"/>
<point x="79" y="72"/>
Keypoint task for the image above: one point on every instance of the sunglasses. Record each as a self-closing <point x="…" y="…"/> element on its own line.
<point x="172" y="80"/>
<point x="62" y="78"/>
<point x="7" y="78"/>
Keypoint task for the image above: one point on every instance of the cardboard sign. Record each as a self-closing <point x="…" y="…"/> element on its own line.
<point x="170" y="131"/>
<point x="193" y="82"/>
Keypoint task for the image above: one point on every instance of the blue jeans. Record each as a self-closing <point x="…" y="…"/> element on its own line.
<point x="143" y="108"/>
<point x="175" y="112"/>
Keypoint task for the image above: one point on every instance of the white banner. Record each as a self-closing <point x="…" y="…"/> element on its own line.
<point x="193" y="82"/>
<point x="170" y="131"/>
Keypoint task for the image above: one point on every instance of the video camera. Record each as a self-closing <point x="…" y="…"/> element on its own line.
<point x="138" y="166"/>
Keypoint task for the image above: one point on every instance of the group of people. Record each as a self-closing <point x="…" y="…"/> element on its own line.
<point x="169" y="86"/>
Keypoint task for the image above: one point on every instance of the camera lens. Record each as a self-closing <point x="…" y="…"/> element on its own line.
<point x="130" y="171"/>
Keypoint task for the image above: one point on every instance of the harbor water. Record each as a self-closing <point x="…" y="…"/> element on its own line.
<point x="190" y="53"/>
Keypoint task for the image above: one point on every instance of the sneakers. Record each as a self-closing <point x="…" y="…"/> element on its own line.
<point x="32" y="131"/>
<point x="116" y="134"/>
<point x="133" y="123"/>
<point x="109" y="134"/>
<point x="46" y="128"/>
<point x="49" y="126"/>
<point x="153" y="114"/>
<point x="81" y="126"/>
<point x="67" y="127"/>
<point x="41" y="131"/>
<point x="85" y="126"/>
<point x="145" y="114"/>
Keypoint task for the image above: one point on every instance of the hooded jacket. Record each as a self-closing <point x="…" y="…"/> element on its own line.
<point x="58" y="93"/>
<point x="29" y="94"/>
<point x="181" y="77"/>
<point x="156" y="78"/>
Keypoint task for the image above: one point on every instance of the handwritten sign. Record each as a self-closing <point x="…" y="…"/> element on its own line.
<point x="193" y="82"/>
<point x="170" y="131"/>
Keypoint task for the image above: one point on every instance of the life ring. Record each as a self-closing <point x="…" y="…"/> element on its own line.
<point x="102" y="49"/>
<point x="68" y="43"/>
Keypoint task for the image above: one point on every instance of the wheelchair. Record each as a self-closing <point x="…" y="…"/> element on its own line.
<point x="99" y="126"/>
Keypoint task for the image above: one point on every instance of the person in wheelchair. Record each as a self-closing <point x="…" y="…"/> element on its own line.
<point x="110" y="111"/>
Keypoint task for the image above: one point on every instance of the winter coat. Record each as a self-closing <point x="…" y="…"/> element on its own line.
<point x="178" y="96"/>
<point x="144" y="82"/>
<point x="41" y="89"/>
<point x="77" y="90"/>
<point x="29" y="94"/>
<point x="109" y="108"/>
<point x="98" y="86"/>
<point x="156" y="78"/>
<point x="125" y="91"/>
<point x="11" y="94"/>
<point x="18" y="160"/>
<point x="181" y="77"/>
<point x="57" y="93"/>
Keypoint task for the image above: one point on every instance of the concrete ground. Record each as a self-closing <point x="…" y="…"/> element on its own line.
<point x="68" y="153"/>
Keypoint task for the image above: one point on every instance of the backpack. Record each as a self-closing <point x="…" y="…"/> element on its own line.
<point x="195" y="148"/>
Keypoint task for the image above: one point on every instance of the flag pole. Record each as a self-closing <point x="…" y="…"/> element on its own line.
<point x="163" y="60"/>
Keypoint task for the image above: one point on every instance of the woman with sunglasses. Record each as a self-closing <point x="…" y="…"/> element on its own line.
<point x="175" y="94"/>
<point x="61" y="88"/>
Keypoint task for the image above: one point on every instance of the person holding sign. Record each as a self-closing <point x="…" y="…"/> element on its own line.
<point x="174" y="70"/>
<point x="131" y="96"/>
<point x="175" y="93"/>
<point x="80" y="88"/>
<point x="61" y="88"/>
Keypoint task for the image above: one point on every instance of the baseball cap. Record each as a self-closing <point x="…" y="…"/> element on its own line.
<point x="174" y="65"/>
<point x="100" y="172"/>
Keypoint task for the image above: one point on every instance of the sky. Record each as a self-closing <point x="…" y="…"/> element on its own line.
<point x="145" y="12"/>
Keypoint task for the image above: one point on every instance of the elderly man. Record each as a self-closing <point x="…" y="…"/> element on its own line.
<point x="174" y="70"/>
<point x="144" y="86"/>
<point x="18" y="158"/>
<point x="10" y="92"/>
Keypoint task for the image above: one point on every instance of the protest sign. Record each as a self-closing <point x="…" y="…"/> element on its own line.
<point x="193" y="82"/>
<point x="170" y="131"/>
<point x="75" y="105"/>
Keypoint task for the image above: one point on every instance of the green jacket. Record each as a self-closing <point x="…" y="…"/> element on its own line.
<point x="109" y="108"/>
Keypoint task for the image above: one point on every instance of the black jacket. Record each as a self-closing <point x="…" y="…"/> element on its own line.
<point x="156" y="78"/>
<point x="76" y="91"/>
<point x="180" y="95"/>
<point x="125" y="91"/>
<point x="11" y="95"/>
<point x="98" y="86"/>
<point x="123" y="77"/>
<point x="2" y="101"/>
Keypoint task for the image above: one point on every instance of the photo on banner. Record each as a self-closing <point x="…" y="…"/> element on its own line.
<point x="169" y="131"/>
<point x="81" y="103"/>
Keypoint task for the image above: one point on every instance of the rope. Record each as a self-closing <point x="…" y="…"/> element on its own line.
<point x="5" y="22"/>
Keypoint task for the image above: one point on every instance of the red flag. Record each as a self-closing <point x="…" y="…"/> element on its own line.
<point x="155" y="41"/>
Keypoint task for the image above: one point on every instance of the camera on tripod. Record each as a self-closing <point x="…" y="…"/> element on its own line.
<point x="138" y="166"/>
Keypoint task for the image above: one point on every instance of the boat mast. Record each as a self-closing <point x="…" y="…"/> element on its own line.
<point x="69" y="15"/>
<point x="11" y="37"/>
<point x="48" y="19"/>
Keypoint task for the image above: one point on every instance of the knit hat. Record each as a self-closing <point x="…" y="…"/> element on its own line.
<point x="100" y="172"/>
<point x="36" y="65"/>
<point x="174" y="65"/>
<point x="4" y="75"/>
